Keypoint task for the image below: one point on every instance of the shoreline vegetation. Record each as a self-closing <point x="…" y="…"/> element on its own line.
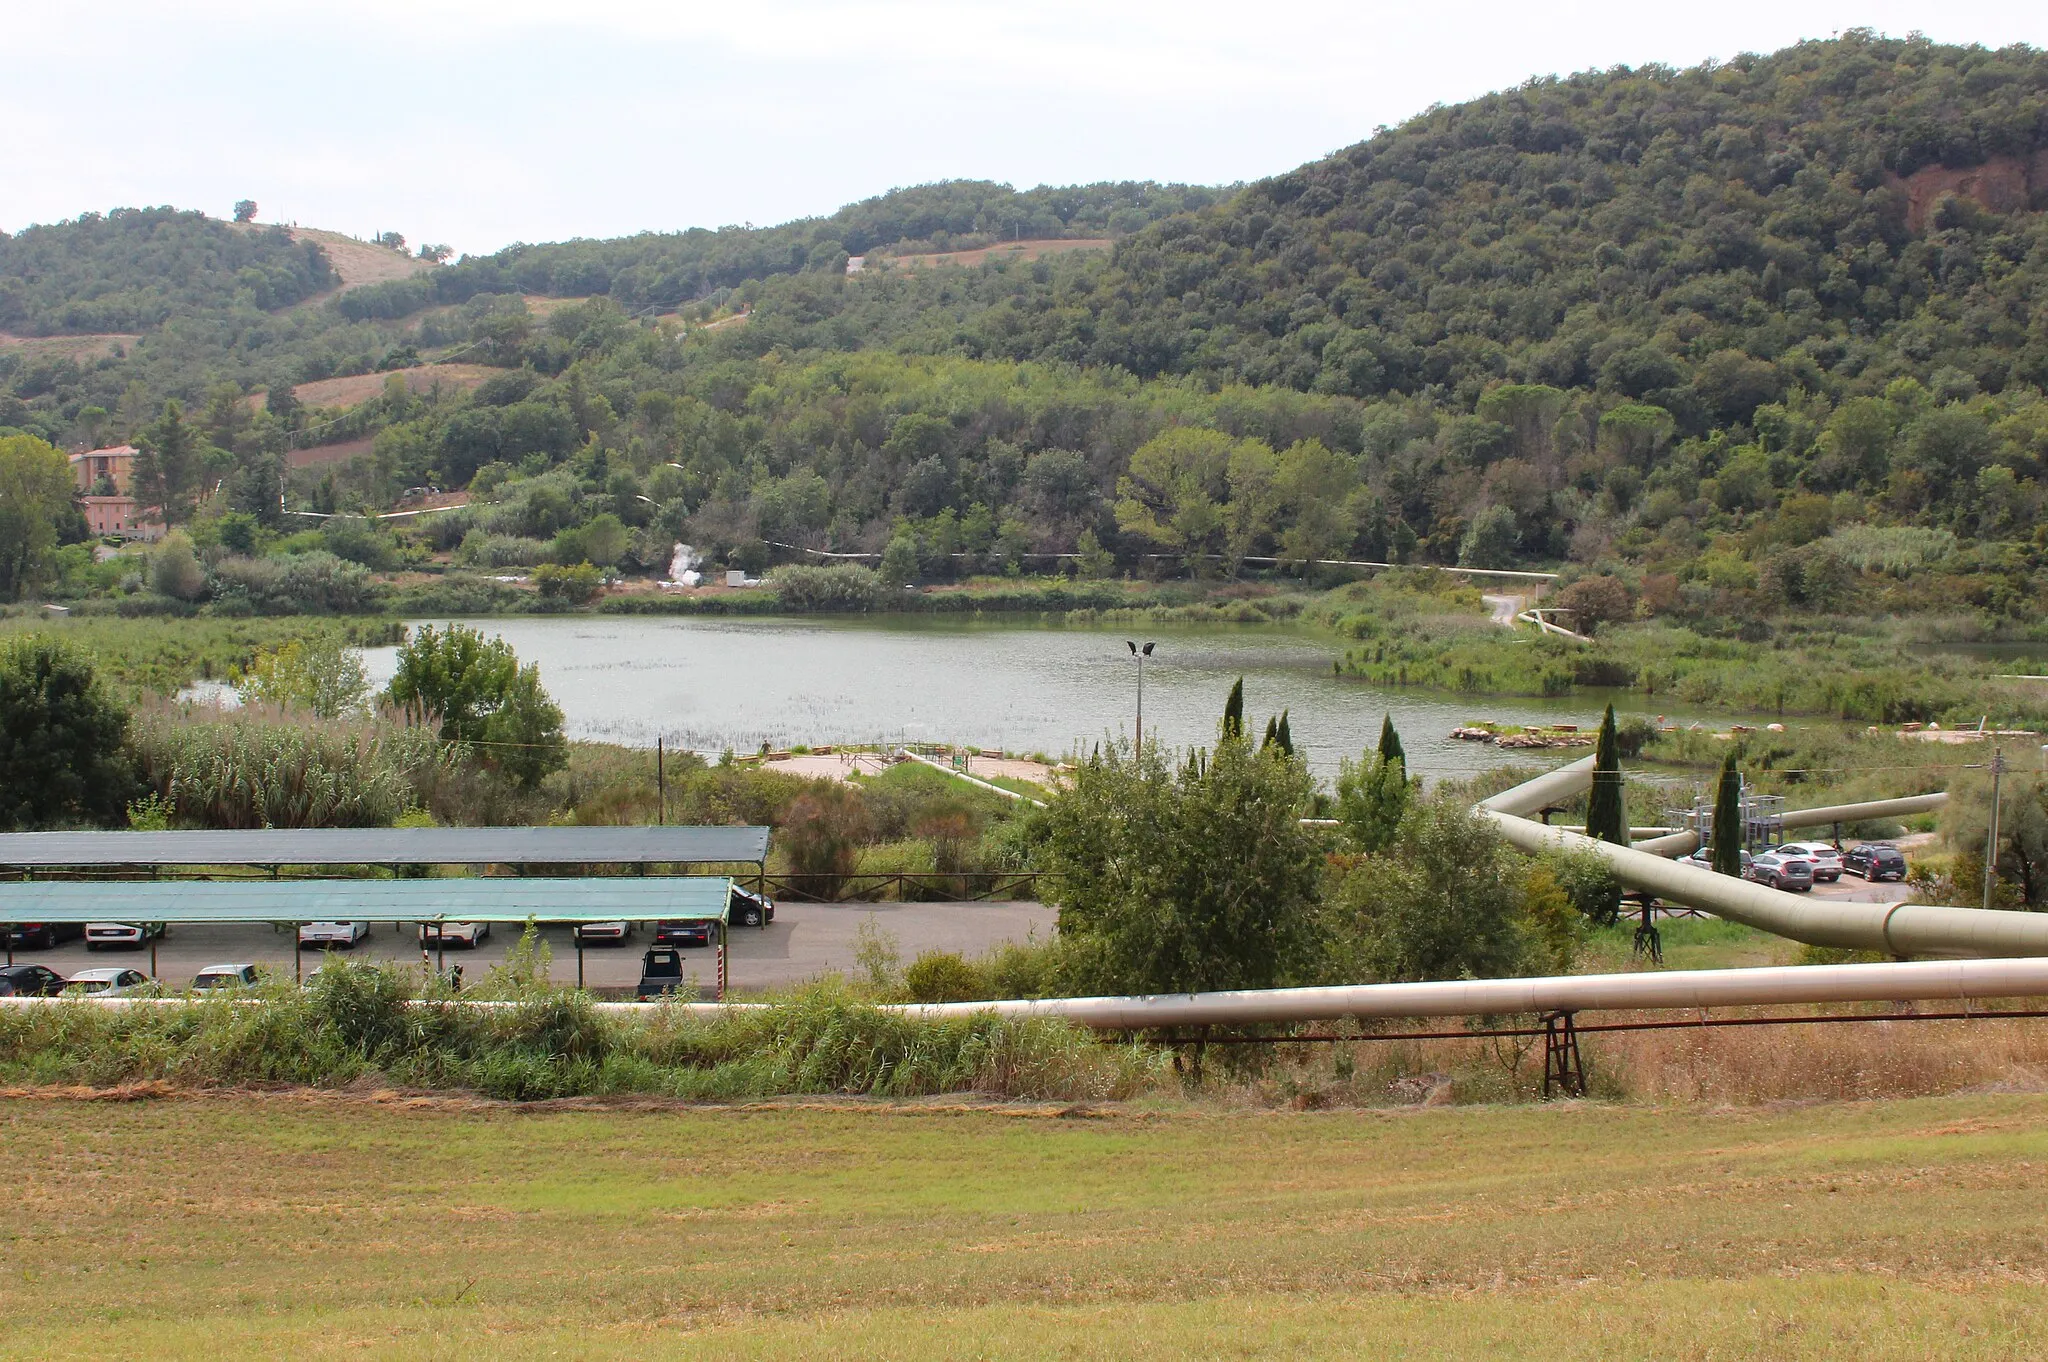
<point x="1406" y="628"/>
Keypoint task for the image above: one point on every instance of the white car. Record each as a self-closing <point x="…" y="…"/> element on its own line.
<point x="122" y="982"/>
<point x="100" y="935"/>
<point x="602" y="933"/>
<point x="1827" y="862"/>
<point x="322" y="935"/>
<point x="215" y="977"/>
<point x="470" y="934"/>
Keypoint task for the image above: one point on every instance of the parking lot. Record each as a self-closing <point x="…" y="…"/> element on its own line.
<point x="805" y="940"/>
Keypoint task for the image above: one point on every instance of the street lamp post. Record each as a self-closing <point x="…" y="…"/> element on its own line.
<point x="1140" y="654"/>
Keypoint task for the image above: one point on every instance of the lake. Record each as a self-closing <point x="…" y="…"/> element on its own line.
<point x="712" y="684"/>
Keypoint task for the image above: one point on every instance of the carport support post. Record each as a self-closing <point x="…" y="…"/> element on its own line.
<point x="152" y="957"/>
<point x="298" y="958"/>
<point x="578" y="934"/>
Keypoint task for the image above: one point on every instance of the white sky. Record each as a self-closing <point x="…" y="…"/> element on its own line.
<point x="480" y="122"/>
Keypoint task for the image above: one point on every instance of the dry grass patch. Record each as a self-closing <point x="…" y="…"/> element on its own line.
<point x="1008" y="250"/>
<point x="358" y="262"/>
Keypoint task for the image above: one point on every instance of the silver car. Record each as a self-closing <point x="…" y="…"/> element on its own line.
<point x="1827" y="862"/>
<point x="120" y="982"/>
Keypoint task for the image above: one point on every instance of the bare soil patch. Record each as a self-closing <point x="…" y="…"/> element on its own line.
<point x="1008" y="250"/>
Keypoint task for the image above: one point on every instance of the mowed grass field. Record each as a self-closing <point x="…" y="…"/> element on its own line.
<point x="329" y="1226"/>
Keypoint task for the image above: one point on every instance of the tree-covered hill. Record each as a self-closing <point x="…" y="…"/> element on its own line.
<point x="135" y="268"/>
<point x="660" y="270"/>
<point x="1707" y="240"/>
<point x="1735" y="340"/>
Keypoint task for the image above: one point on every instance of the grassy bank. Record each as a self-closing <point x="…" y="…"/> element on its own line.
<point x="1424" y="630"/>
<point x="387" y="1228"/>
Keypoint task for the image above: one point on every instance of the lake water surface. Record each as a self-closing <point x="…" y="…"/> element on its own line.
<point x="714" y="684"/>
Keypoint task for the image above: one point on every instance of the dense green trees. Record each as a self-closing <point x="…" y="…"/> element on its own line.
<point x="137" y="267"/>
<point x="1185" y="877"/>
<point x="36" y="491"/>
<point x="61" y="758"/>
<point x="1698" y="336"/>
<point x="475" y="691"/>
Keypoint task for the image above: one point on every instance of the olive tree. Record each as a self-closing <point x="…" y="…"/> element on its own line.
<point x="1176" y="877"/>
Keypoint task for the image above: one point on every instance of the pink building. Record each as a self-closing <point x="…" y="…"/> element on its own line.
<point x="106" y="483"/>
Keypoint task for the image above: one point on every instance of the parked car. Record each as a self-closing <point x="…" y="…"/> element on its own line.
<point x="661" y="973"/>
<point x="748" y="908"/>
<point x="601" y="933"/>
<point x="41" y="936"/>
<point x="1780" y="871"/>
<point x="1875" y="861"/>
<point x="1704" y="859"/>
<point x="30" y="981"/>
<point x="322" y="935"/>
<point x="1827" y="862"/>
<point x="470" y="934"/>
<point x="116" y="982"/>
<point x="700" y="931"/>
<point x="100" y="935"/>
<point x="215" y="977"/>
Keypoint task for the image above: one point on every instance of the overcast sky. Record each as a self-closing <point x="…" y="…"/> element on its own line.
<point x="481" y="122"/>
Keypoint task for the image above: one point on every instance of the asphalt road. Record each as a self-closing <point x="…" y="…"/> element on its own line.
<point x="805" y="941"/>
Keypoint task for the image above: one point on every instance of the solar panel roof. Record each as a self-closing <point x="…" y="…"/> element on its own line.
<point x="497" y="899"/>
<point x="389" y="846"/>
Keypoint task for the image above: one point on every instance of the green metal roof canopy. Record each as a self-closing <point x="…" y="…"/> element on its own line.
<point x="390" y="846"/>
<point x="498" y="899"/>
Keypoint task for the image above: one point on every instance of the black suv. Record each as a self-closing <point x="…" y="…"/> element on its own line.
<point x="1875" y="861"/>
<point x="30" y="981"/>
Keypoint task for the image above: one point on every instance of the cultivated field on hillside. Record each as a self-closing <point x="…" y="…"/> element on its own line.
<point x="358" y="262"/>
<point x="376" y="1225"/>
<point x="80" y="348"/>
<point x="354" y="388"/>
<point x="1008" y="250"/>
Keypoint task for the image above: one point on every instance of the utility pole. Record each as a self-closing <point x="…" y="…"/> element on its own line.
<point x="1141" y="655"/>
<point x="660" y="790"/>
<point x="1991" y="839"/>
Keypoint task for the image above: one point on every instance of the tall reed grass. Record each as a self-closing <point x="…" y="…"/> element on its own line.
<point x="360" y="1022"/>
<point x="254" y="769"/>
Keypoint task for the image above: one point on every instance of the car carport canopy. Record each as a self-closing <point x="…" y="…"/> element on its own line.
<point x="269" y="847"/>
<point x="496" y="899"/>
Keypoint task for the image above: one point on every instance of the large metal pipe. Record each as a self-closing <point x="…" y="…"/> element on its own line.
<point x="1896" y="929"/>
<point x="1692" y="989"/>
<point x="1685" y="843"/>
<point x="1546" y="791"/>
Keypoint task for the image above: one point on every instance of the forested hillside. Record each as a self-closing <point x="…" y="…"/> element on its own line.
<point x="137" y="267"/>
<point x="1735" y="340"/>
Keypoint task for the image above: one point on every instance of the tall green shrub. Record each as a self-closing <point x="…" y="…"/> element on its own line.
<point x="60" y="738"/>
<point x="1606" y="814"/>
<point x="1728" y="827"/>
<point x="1186" y="876"/>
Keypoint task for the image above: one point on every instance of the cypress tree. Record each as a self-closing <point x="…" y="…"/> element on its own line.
<point x="1284" y="736"/>
<point x="1390" y="744"/>
<point x="1605" y="817"/>
<point x="1728" y="819"/>
<point x="1233" y="711"/>
<point x="1272" y="733"/>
